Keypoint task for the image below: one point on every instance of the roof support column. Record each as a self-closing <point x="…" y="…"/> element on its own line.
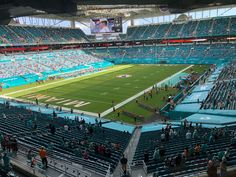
<point x="132" y="22"/>
<point x="72" y="24"/>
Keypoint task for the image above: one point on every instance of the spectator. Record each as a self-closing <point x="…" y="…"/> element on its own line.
<point x="211" y="169"/>
<point x="85" y="155"/>
<point x="215" y="160"/>
<point x="54" y="114"/>
<point x="66" y="128"/>
<point x="233" y="141"/>
<point x="223" y="167"/>
<point x="123" y="162"/>
<point x="52" y="129"/>
<point x="178" y="160"/>
<point x="205" y="137"/>
<point x="31" y="158"/>
<point x="204" y="148"/>
<point x="163" y="137"/>
<point x="211" y="140"/>
<point x="220" y="155"/>
<point x="167" y="162"/>
<point x="146" y="156"/>
<point x="117" y="146"/>
<point x="172" y="162"/>
<point x="191" y="150"/>
<point x="29" y="155"/>
<point x="107" y="152"/>
<point x="167" y="135"/>
<point x="186" y="152"/>
<point x="162" y="151"/>
<point x="35" y="126"/>
<point x="195" y="134"/>
<point x="175" y="133"/>
<point x="171" y="133"/>
<point x="197" y="149"/>
<point x="188" y="135"/>
<point x="14" y="147"/>
<point x="77" y="152"/>
<point x="43" y="156"/>
<point x="33" y="161"/>
<point x="1" y="139"/>
<point x="4" y="116"/>
<point x="227" y="152"/>
<point x="185" y="123"/>
<point x="156" y="154"/>
<point x="6" y="160"/>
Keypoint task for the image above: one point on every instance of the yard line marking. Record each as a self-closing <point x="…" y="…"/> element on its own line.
<point x="116" y="88"/>
<point x="104" y="93"/>
<point x="140" y="93"/>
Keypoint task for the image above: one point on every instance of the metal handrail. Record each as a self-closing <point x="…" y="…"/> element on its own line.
<point x="53" y="162"/>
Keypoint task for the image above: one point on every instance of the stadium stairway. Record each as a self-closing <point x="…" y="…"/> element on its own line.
<point x="129" y="153"/>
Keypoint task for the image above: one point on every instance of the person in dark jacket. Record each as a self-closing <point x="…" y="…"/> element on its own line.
<point x="211" y="169"/>
<point x="146" y="156"/>
<point x="124" y="162"/>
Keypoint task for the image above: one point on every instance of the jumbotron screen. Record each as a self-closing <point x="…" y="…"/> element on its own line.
<point x="106" y="25"/>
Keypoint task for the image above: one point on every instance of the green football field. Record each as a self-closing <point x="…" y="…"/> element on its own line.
<point x="96" y="92"/>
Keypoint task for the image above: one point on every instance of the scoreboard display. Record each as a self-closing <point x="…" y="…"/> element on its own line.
<point x="106" y="25"/>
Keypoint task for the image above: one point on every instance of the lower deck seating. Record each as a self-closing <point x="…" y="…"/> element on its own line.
<point x="104" y="146"/>
<point x="177" y="143"/>
<point x="221" y="96"/>
<point x="228" y="72"/>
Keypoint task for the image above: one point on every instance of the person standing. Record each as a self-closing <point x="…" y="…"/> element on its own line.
<point x="123" y="162"/>
<point x="43" y="156"/>
<point x="223" y="167"/>
<point x="146" y="156"/>
<point x="211" y="169"/>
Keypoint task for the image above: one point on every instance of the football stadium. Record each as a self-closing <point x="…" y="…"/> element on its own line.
<point x="118" y="89"/>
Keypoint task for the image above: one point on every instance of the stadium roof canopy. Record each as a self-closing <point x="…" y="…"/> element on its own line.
<point x="82" y="10"/>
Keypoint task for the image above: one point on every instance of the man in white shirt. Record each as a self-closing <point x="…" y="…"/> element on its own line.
<point x="163" y="137"/>
<point x="66" y="128"/>
<point x="188" y="135"/>
<point x="4" y="116"/>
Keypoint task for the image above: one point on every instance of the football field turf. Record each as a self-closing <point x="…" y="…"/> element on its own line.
<point x="96" y="92"/>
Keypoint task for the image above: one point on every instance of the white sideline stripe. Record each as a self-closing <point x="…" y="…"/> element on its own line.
<point x="31" y="88"/>
<point x="141" y="93"/>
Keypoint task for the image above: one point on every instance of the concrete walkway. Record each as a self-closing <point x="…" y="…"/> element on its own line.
<point x="129" y="152"/>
